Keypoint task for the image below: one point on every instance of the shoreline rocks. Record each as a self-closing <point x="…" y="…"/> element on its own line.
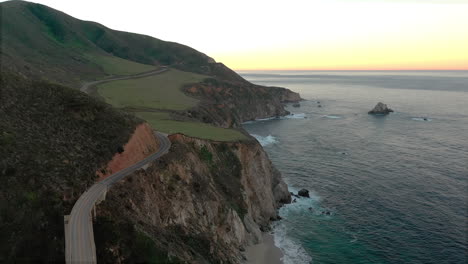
<point x="304" y="193"/>
<point x="380" y="109"/>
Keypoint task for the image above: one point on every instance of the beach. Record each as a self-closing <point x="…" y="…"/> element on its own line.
<point x="264" y="253"/>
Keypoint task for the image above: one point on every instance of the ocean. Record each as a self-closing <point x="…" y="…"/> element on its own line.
<point x="384" y="189"/>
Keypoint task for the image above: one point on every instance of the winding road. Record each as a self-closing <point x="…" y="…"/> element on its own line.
<point x="85" y="87"/>
<point x="79" y="237"/>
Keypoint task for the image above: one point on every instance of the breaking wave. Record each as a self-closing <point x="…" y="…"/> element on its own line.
<point x="264" y="141"/>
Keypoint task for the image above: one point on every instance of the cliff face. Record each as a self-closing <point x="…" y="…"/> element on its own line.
<point x="202" y="202"/>
<point x="141" y="144"/>
<point x="228" y="104"/>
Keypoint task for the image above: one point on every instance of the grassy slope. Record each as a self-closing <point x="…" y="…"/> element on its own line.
<point x="160" y="91"/>
<point x="163" y="122"/>
<point x="52" y="140"/>
<point x="116" y="66"/>
<point x="46" y="43"/>
<point x="163" y="91"/>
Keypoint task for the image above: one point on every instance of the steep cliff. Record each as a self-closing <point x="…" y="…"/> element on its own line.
<point x="228" y="104"/>
<point x="141" y="144"/>
<point x="201" y="203"/>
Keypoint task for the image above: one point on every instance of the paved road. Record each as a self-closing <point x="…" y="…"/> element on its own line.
<point x="80" y="245"/>
<point x="79" y="237"/>
<point x="86" y="86"/>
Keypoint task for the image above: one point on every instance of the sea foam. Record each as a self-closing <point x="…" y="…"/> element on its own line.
<point x="290" y="116"/>
<point x="293" y="251"/>
<point x="295" y="116"/>
<point x="264" y="141"/>
<point x="332" y="116"/>
<point x="426" y="119"/>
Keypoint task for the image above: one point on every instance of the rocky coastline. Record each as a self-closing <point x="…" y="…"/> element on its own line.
<point x="219" y="195"/>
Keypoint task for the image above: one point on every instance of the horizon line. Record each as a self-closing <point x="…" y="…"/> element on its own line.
<point x="292" y="69"/>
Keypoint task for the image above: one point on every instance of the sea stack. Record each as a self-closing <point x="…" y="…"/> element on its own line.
<point x="380" y="109"/>
<point x="304" y="193"/>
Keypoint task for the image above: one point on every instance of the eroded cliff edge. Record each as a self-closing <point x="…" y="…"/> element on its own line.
<point x="228" y="103"/>
<point x="201" y="203"/>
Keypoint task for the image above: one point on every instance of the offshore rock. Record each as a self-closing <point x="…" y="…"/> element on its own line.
<point x="304" y="193"/>
<point x="380" y="109"/>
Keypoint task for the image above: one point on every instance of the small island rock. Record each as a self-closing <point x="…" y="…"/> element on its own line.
<point x="303" y="193"/>
<point x="380" y="109"/>
<point x="296" y="105"/>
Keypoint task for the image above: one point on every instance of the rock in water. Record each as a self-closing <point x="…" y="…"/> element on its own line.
<point x="296" y="105"/>
<point x="304" y="193"/>
<point x="380" y="109"/>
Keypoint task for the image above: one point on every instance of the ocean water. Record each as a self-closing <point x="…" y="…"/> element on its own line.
<point x="384" y="189"/>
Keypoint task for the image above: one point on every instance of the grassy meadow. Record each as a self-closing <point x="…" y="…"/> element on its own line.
<point x="118" y="66"/>
<point x="162" y="122"/>
<point x="163" y="92"/>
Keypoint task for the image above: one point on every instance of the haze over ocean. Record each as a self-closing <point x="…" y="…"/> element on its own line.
<point x="395" y="186"/>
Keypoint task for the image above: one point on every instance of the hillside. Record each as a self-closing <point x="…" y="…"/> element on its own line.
<point x="40" y="41"/>
<point x="52" y="141"/>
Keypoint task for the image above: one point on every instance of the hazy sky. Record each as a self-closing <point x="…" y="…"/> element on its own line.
<point x="297" y="34"/>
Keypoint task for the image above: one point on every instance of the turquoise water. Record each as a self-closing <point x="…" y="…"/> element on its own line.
<point x="396" y="186"/>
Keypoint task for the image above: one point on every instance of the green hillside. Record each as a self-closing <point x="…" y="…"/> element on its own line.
<point x="153" y="97"/>
<point x="162" y="91"/>
<point x="43" y="42"/>
<point x="52" y="141"/>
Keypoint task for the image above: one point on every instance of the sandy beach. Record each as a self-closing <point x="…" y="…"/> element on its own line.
<point x="265" y="252"/>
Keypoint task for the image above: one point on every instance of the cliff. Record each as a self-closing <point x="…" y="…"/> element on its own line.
<point x="228" y="104"/>
<point x="142" y="143"/>
<point x="201" y="203"/>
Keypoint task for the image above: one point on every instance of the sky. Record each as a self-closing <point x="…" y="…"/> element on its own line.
<point x="297" y="34"/>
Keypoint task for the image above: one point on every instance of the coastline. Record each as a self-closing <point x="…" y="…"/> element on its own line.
<point x="265" y="252"/>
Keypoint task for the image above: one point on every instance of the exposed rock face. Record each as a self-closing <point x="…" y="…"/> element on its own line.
<point x="202" y="202"/>
<point x="303" y="193"/>
<point x="380" y="109"/>
<point x="141" y="144"/>
<point x="228" y="104"/>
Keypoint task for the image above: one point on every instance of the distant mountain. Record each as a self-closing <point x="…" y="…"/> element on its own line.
<point x="40" y="41"/>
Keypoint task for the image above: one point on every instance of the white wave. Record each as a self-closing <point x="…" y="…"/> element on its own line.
<point x="264" y="141"/>
<point x="290" y="116"/>
<point x="421" y="119"/>
<point x="293" y="251"/>
<point x="266" y="119"/>
<point x="295" y="116"/>
<point x="332" y="116"/>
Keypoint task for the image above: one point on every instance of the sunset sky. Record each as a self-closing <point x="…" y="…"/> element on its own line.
<point x="296" y="34"/>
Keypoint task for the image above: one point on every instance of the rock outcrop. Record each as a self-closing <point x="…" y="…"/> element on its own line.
<point x="304" y="193"/>
<point x="201" y="203"/>
<point x="380" y="109"/>
<point x="229" y="103"/>
<point x="142" y="143"/>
